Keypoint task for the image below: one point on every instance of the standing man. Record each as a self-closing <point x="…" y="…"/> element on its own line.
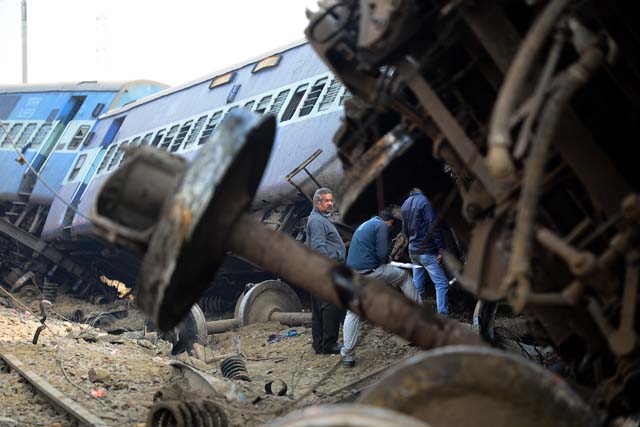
<point x="418" y="218"/>
<point x="323" y="237"/>
<point x="368" y="254"/>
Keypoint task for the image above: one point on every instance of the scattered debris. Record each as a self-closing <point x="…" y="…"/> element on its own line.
<point x="235" y="368"/>
<point x="99" y="375"/>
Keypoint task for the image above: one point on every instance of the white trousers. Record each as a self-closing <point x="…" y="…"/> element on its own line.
<point x="392" y="275"/>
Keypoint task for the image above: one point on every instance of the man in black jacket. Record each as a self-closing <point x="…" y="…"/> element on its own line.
<point x="323" y="237"/>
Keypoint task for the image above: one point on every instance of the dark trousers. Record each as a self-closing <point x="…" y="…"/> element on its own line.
<point x="325" y="324"/>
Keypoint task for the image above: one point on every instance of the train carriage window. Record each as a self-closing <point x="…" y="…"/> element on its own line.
<point x="263" y="104"/>
<point x="79" y="136"/>
<point x="266" y="63"/>
<point x="195" y="131"/>
<point x="122" y="152"/>
<point x="106" y="159"/>
<point x="26" y="134"/>
<point x="345" y="95"/>
<point x="184" y="130"/>
<point x="77" y="167"/>
<point x="277" y="103"/>
<point x="135" y="141"/>
<point x="222" y="80"/>
<point x="41" y="134"/>
<point x="230" y="110"/>
<point x="146" y="139"/>
<point x="313" y="96"/>
<point x="211" y="126"/>
<point x="15" y="129"/>
<point x="12" y="135"/>
<point x="117" y="156"/>
<point x="98" y="109"/>
<point x="158" y="138"/>
<point x="294" y="102"/>
<point x="330" y="95"/>
<point x="249" y="105"/>
<point x="169" y="137"/>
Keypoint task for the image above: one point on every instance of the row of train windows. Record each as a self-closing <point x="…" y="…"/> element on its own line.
<point x="183" y="136"/>
<point x="22" y="134"/>
<point x="33" y="134"/>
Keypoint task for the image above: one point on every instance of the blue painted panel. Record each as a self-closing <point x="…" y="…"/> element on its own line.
<point x="82" y="226"/>
<point x="53" y="225"/>
<point x="12" y="173"/>
<point x="90" y="103"/>
<point x="53" y="173"/>
<point x="38" y="106"/>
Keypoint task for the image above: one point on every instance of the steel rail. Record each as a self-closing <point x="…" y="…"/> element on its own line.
<point x="58" y="399"/>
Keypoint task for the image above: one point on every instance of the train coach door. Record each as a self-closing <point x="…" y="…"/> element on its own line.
<point x="82" y="186"/>
<point x="63" y="118"/>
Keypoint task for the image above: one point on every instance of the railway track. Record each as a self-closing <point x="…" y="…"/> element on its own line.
<point x="63" y="404"/>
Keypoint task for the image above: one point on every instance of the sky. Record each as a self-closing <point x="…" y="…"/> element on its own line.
<point x="170" y="41"/>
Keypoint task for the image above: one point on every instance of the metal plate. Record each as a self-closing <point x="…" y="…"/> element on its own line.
<point x="362" y="175"/>
<point x="190" y="237"/>
<point x="346" y="415"/>
<point x="481" y="387"/>
<point x="257" y="304"/>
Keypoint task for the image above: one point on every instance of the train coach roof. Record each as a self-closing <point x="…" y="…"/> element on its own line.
<point x="84" y="86"/>
<point x="205" y="78"/>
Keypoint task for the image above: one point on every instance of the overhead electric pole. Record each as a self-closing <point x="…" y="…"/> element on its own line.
<point x="24" y="41"/>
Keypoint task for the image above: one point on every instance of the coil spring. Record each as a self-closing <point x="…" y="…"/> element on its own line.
<point x="180" y="413"/>
<point x="234" y="368"/>
<point x="213" y="304"/>
<point x="50" y="291"/>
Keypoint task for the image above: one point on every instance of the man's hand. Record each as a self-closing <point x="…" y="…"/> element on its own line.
<point x="399" y="245"/>
<point x="439" y="257"/>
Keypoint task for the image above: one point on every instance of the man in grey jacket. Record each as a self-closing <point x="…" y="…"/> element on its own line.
<point x="323" y="237"/>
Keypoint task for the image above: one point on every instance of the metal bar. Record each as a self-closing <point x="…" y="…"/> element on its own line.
<point x="290" y="318"/>
<point x="55" y="396"/>
<point x="371" y="298"/>
<point x="219" y="326"/>
<point x="303" y="165"/>
<point x="449" y="126"/>
<point x="315" y="181"/>
<point x="573" y="141"/>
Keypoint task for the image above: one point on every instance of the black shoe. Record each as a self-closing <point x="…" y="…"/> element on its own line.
<point x="333" y="349"/>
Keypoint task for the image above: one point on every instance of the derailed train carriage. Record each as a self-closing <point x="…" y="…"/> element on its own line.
<point x="291" y="83"/>
<point x="45" y="129"/>
<point x="514" y="117"/>
<point x="525" y="113"/>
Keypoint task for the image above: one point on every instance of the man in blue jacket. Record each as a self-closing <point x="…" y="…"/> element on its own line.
<point x="369" y="254"/>
<point x="323" y="237"/>
<point x="418" y="217"/>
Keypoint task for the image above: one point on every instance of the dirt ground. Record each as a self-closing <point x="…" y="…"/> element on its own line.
<point x="133" y="367"/>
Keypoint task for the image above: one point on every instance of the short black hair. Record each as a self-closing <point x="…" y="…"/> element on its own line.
<point x="387" y="214"/>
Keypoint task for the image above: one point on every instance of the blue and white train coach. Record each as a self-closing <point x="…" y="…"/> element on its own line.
<point x="291" y="83"/>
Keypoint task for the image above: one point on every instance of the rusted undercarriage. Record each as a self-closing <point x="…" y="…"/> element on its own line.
<point x="524" y="111"/>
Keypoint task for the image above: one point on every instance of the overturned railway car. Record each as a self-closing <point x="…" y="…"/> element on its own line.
<point x="45" y="130"/>
<point x="531" y="108"/>
<point x="291" y="83"/>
